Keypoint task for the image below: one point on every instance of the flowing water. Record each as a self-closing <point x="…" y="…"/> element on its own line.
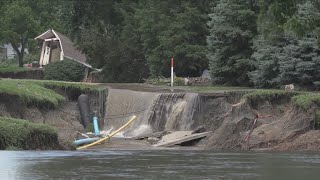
<point x="137" y="164"/>
<point x="155" y="111"/>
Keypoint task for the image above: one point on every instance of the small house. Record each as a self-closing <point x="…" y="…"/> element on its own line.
<point x="7" y="51"/>
<point x="57" y="47"/>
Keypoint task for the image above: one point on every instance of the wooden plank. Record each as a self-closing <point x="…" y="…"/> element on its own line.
<point x="182" y="139"/>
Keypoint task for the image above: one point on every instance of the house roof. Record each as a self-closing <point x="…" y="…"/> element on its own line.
<point x="67" y="46"/>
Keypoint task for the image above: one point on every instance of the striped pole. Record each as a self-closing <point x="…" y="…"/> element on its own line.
<point x="172" y="71"/>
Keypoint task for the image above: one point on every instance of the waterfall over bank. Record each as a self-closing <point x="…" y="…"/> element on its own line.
<point x="155" y="111"/>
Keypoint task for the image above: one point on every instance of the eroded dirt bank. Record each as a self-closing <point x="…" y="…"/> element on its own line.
<point x="65" y="119"/>
<point x="271" y="124"/>
<point x="236" y="124"/>
<point x="280" y="126"/>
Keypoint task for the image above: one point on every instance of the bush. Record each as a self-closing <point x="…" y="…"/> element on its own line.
<point x="178" y="81"/>
<point x="256" y="97"/>
<point x="66" y="70"/>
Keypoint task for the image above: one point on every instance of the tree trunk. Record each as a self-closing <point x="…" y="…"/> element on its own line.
<point x="20" y="59"/>
<point x="20" y="53"/>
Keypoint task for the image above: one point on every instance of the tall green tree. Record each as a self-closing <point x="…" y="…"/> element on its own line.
<point x="287" y="51"/>
<point x="22" y="20"/>
<point x="266" y="62"/>
<point x="129" y="38"/>
<point x="232" y="29"/>
<point x="105" y="32"/>
<point x="17" y="27"/>
<point x="174" y="28"/>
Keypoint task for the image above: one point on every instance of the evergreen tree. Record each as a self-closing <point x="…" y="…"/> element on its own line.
<point x="300" y="62"/>
<point x="232" y="29"/>
<point x="288" y="53"/>
<point x="266" y="62"/>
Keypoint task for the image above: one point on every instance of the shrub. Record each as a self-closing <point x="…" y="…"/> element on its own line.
<point x="178" y="81"/>
<point x="307" y="100"/>
<point x="66" y="70"/>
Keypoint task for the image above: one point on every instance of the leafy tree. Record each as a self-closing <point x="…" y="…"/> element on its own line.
<point x="129" y="38"/>
<point x="174" y="28"/>
<point x="22" y="20"/>
<point x="97" y="27"/>
<point x="232" y="29"/>
<point x="17" y="27"/>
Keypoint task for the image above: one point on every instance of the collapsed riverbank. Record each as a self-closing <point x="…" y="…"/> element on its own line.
<point x="240" y="119"/>
<point x="51" y="104"/>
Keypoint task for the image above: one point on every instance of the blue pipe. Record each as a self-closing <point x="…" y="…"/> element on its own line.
<point x="85" y="141"/>
<point x="96" y="126"/>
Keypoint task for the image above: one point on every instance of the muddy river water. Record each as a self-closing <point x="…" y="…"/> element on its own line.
<point x="160" y="164"/>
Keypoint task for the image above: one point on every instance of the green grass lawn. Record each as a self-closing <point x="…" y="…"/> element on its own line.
<point x="30" y="93"/>
<point x="64" y="84"/>
<point x="39" y="92"/>
<point x="12" y="68"/>
<point x="16" y="133"/>
<point x="302" y="99"/>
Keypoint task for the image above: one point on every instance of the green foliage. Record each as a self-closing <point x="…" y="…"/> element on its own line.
<point x="158" y="80"/>
<point x="66" y="70"/>
<point x="305" y="21"/>
<point x="203" y="89"/>
<point x="129" y="38"/>
<point x="266" y="62"/>
<point x="300" y="62"/>
<point x="29" y="58"/>
<point x="12" y="68"/>
<point x="178" y="81"/>
<point x="269" y="95"/>
<point x="30" y="93"/>
<point x="287" y="51"/>
<point x="307" y="100"/>
<point x="304" y="100"/>
<point x="173" y="28"/>
<point x="41" y="93"/>
<point x="22" y="20"/>
<point x="17" y="26"/>
<point x="232" y="29"/>
<point x="273" y="16"/>
<point x="16" y="133"/>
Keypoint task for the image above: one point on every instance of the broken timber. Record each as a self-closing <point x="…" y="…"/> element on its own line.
<point x="183" y="139"/>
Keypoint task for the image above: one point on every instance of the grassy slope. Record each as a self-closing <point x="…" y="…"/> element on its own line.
<point x="38" y="92"/>
<point x="302" y="99"/>
<point x="30" y="93"/>
<point x="16" y="133"/>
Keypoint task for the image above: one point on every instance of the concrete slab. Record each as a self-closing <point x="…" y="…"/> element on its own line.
<point x="175" y="135"/>
<point x="180" y="139"/>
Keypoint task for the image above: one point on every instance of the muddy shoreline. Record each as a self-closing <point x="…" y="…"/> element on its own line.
<point x="285" y="127"/>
